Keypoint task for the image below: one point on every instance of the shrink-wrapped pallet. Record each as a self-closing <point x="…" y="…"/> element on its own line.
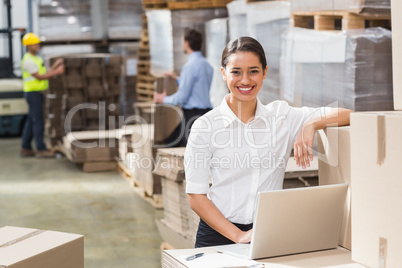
<point x="266" y="22"/>
<point x="166" y="30"/>
<point x="216" y="39"/>
<point x="350" y="69"/>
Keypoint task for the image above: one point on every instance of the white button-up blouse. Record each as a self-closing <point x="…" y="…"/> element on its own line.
<point x="242" y="159"/>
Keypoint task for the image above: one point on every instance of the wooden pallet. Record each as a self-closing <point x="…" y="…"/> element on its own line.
<point x="154" y="5"/>
<point x="155" y="200"/>
<point x="145" y="79"/>
<point x="143" y="98"/>
<point x="253" y="1"/>
<point x="338" y="20"/>
<point x="176" y="5"/>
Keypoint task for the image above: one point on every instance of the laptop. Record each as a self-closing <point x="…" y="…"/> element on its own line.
<point x="294" y="221"/>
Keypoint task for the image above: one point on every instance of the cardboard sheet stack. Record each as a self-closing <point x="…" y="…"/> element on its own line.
<point x="143" y="163"/>
<point x="85" y="97"/>
<point x="124" y="19"/>
<point x="266" y="22"/>
<point x="166" y="29"/>
<point x="94" y="150"/>
<point x="352" y="68"/>
<point x="334" y="168"/>
<point x="217" y="37"/>
<point x="179" y="217"/>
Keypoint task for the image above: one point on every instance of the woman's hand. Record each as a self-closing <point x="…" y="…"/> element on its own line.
<point x="244" y="237"/>
<point x="303" y="147"/>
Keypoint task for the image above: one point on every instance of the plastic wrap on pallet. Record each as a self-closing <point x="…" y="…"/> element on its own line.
<point x="68" y="20"/>
<point x="266" y="22"/>
<point x="129" y="53"/>
<point x="351" y="69"/>
<point x="216" y="39"/>
<point x="125" y="19"/>
<point x="166" y="28"/>
<point x="237" y="18"/>
<point x="359" y="6"/>
<point x="49" y="51"/>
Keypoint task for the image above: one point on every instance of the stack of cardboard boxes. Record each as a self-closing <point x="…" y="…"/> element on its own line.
<point x="94" y="150"/>
<point x="179" y="217"/>
<point x="366" y="155"/>
<point x="85" y="97"/>
<point x="137" y="151"/>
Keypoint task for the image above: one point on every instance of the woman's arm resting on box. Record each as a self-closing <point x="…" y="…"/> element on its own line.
<point x="303" y="147"/>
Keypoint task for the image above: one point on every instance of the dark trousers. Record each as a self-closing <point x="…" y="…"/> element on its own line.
<point x="179" y="136"/>
<point x="34" y="124"/>
<point x="206" y="236"/>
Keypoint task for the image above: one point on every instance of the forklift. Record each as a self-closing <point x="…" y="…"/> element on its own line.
<point x="13" y="107"/>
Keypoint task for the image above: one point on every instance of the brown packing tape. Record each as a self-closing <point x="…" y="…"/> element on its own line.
<point x="382" y="257"/>
<point x="381" y="153"/>
<point x="22" y="238"/>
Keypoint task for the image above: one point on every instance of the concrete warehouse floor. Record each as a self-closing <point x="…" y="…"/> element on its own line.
<point x="54" y="194"/>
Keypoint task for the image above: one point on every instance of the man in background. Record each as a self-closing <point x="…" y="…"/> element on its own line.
<point x="35" y="78"/>
<point x="193" y="92"/>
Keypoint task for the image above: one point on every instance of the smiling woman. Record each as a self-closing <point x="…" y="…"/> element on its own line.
<point x="243" y="130"/>
<point x="244" y="68"/>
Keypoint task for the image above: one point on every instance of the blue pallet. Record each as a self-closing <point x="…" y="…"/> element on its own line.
<point x="11" y="124"/>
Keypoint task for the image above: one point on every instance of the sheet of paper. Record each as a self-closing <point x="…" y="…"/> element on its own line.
<point x="218" y="260"/>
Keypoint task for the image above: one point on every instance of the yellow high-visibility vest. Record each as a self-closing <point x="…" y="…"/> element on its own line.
<point x="30" y="82"/>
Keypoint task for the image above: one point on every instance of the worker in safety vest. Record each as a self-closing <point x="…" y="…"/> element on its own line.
<point x="35" y="78"/>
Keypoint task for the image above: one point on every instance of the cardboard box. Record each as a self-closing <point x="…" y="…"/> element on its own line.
<point x="172" y="237"/>
<point x="71" y="61"/>
<point x="142" y="140"/>
<point x="77" y="94"/>
<point x="74" y="81"/>
<point x="334" y="168"/>
<point x="397" y="52"/>
<point x="91" y="146"/>
<point x="94" y="70"/>
<point x="376" y="188"/>
<point x="26" y="247"/>
<point x="113" y="90"/>
<point x="170" y="163"/>
<point x="166" y="117"/>
<point x="96" y="88"/>
<point x="99" y="166"/>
